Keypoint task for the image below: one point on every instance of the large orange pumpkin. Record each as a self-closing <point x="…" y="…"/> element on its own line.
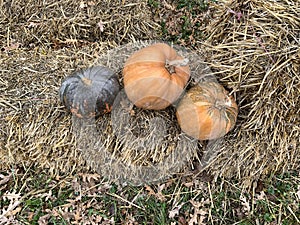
<point x="207" y="111"/>
<point x="155" y="76"/>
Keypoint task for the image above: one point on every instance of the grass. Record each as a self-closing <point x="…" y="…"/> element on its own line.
<point x="29" y="195"/>
<point x="180" y="21"/>
<point x="81" y="198"/>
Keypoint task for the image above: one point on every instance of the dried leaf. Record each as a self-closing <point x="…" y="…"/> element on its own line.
<point x="33" y="24"/>
<point x="4" y="179"/>
<point x="87" y="176"/>
<point x="12" y="196"/>
<point x="298" y="192"/>
<point x="261" y="195"/>
<point x="199" y="213"/>
<point x="91" y="3"/>
<point x="30" y="216"/>
<point x="77" y="216"/>
<point x="12" y="46"/>
<point x="150" y="190"/>
<point x="101" y="26"/>
<point x="189" y="184"/>
<point x="43" y="220"/>
<point x="174" y="212"/>
<point x="11" y="209"/>
<point x="182" y="221"/>
<point x="158" y="195"/>
<point x="245" y="203"/>
<point x="82" y="5"/>
<point x="193" y="220"/>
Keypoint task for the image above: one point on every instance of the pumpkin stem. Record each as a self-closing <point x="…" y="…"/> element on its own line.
<point x="171" y="64"/>
<point x="86" y="81"/>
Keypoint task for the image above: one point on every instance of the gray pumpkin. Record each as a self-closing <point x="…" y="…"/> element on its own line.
<point x="90" y="92"/>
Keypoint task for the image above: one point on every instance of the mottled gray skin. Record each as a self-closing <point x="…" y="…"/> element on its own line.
<point x="90" y="92"/>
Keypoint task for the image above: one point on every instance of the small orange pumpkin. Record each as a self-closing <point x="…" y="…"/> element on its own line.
<point x="154" y="76"/>
<point x="206" y="111"/>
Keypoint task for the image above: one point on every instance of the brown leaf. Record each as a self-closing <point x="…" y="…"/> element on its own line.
<point x="174" y="212"/>
<point x="12" y="196"/>
<point x="33" y="24"/>
<point x="199" y="212"/>
<point x="82" y="5"/>
<point x="30" y="216"/>
<point x="169" y="6"/>
<point x="182" y="221"/>
<point x="150" y="190"/>
<point x="245" y="203"/>
<point x="4" y="179"/>
<point x="91" y="3"/>
<point x="88" y="177"/>
<point x="158" y="195"/>
<point x="189" y="184"/>
<point x="11" y="209"/>
<point x="77" y="216"/>
<point x="101" y="26"/>
<point x="14" y="211"/>
<point x="193" y="220"/>
<point x="12" y="46"/>
<point x="43" y="220"/>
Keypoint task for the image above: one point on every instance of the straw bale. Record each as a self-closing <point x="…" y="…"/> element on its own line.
<point x="74" y="23"/>
<point x="253" y="48"/>
<point x="132" y="144"/>
<point x="41" y="43"/>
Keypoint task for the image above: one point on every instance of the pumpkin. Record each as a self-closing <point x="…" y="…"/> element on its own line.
<point x="206" y="111"/>
<point x="155" y="76"/>
<point x="89" y="92"/>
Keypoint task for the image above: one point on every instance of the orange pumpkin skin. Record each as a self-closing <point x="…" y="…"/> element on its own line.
<point x="207" y="112"/>
<point x="147" y="81"/>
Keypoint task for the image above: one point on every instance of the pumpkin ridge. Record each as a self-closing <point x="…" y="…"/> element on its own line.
<point x="163" y="86"/>
<point x="68" y="88"/>
<point x="87" y="92"/>
<point x="206" y="111"/>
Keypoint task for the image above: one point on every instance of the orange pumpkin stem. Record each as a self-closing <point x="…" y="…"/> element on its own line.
<point x="154" y="76"/>
<point x="178" y="62"/>
<point x="171" y="64"/>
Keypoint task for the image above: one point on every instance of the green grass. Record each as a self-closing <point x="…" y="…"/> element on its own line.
<point x="192" y="5"/>
<point x="183" y="24"/>
<point x="70" y="199"/>
<point x="31" y="196"/>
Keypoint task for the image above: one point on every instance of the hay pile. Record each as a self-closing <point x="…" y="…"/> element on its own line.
<point x="41" y="43"/>
<point x="132" y="144"/>
<point x="71" y="23"/>
<point x="252" y="48"/>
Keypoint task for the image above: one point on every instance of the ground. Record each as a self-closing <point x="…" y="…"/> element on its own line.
<point x="251" y="47"/>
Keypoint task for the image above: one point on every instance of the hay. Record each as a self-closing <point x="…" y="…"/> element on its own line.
<point x="252" y="48"/>
<point x="132" y="144"/>
<point x="41" y="43"/>
<point x="36" y="127"/>
<point x="70" y="23"/>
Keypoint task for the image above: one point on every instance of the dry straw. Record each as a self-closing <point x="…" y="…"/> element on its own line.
<point x="131" y="144"/>
<point x="252" y="48"/>
<point x="41" y="43"/>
